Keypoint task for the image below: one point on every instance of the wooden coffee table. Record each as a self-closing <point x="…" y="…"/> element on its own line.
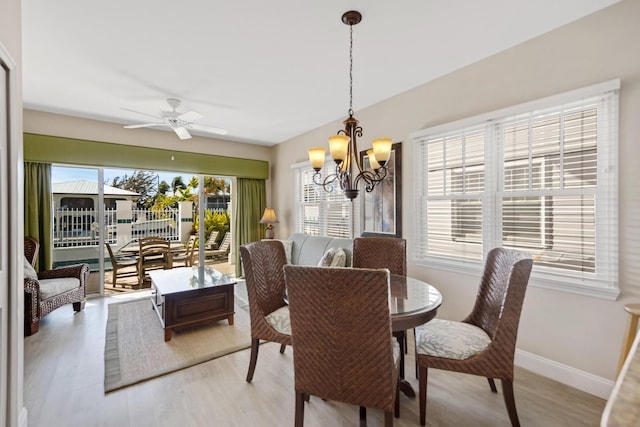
<point x="189" y="296"/>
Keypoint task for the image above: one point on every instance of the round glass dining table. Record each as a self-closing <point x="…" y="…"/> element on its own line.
<point x="412" y="303"/>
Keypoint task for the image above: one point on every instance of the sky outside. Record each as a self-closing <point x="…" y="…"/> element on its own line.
<point x="65" y="174"/>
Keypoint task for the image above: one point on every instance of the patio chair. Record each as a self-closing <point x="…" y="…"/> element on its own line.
<point x="185" y="257"/>
<point x="154" y="253"/>
<point x="211" y="243"/>
<point x="263" y="262"/>
<point x="51" y="289"/>
<point x="484" y="342"/>
<point x="119" y="262"/>
<point x="222" y="251"/>
<point x="342" y="344"/>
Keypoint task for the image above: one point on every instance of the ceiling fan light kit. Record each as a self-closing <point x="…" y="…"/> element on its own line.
<point x="177" y="121"/>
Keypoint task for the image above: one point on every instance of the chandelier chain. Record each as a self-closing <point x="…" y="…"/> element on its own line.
<point x="351" y="70"/>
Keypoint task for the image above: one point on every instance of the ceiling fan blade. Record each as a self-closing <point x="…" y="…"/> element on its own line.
<point x="182" y="132"/>
<point x="211" y="129"/>
<point x="140" y="112"/>
<point x="189" y="116"/>
<point x="144" y="125"/>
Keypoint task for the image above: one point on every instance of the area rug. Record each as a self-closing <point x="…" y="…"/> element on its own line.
<point x="135" y="349"/>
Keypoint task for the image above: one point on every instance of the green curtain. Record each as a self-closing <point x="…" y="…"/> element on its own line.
<point x="38" y="210"/>
<point x="252" y="199"/>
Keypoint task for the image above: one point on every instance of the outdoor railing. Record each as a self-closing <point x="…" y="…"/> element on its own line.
<point x="80" y="227"/>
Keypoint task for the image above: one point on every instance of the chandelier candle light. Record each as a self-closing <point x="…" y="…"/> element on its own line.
<point x="343" y="146"/>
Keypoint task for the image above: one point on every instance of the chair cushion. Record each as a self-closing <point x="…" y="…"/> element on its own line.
<point x="52" y="287"/>
<point x="339" y="258"/>
<point x="327" y="258"/>
<point x="29" y="272"/>
<point x="279" y="320"/>
<point x="396" y="350"/>
<point x="450" y="340"/>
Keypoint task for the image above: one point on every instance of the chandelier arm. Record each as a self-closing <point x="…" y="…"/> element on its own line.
<point x="371" y="179"/>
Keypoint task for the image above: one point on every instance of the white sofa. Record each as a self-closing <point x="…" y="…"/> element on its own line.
<point x="308" y="250"/>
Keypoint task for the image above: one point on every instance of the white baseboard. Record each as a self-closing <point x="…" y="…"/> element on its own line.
<point x="565" y="374"/>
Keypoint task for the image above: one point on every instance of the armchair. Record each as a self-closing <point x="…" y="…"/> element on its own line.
<point x="51" y="289"/>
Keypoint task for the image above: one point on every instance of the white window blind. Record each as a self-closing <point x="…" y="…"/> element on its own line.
<point x="322" y="213"/>
<point x="543" y="181"/>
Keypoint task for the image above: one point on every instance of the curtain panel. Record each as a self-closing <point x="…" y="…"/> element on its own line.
<point x="38" y="210"/>
<point x="252" y="200"/>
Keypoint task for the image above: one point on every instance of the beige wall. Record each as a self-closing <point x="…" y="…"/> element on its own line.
<point x="579" y="331"/>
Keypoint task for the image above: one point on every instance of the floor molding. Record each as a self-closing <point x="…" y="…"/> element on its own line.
<point x="565" y="374"/>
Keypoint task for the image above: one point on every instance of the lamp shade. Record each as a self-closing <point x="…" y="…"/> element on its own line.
<point x="316" y="157"/>
<point x="382" y="149"/>
<point x="269" y="217"/>
<point x="338" y="145"/>
<point x="372" y="160"/>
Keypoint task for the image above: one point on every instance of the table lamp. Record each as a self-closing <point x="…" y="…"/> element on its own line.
<point x="269" y="218"/>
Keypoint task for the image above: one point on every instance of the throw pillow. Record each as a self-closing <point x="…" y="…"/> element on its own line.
<point x="327" y="258"/>
<point x="29" y="272"/>
<point x="339" y="258"/>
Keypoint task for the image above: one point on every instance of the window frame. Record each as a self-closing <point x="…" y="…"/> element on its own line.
<point x="603" y="283"/>
<point x="324" y="228"/>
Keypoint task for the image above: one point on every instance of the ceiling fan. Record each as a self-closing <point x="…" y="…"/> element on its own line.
<point x="177" y="121"/>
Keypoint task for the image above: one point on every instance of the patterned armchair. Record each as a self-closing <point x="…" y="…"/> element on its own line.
<point x="48" y="290"/>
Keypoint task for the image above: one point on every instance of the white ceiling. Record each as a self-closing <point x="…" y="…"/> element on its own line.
<point x="264" y="70"/>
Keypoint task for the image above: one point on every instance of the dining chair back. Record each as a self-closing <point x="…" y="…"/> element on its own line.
<point x="342" y="344"/>
<point x="484" y="342"/>
<point x="381" y="252"/>
<point x="154" y="253"/>
<point x="186" y="257"/>
<point x="263" y="262"/>
<point x="118" y="263"/>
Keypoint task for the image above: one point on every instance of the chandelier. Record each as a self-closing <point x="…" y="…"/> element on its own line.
<point x="350" y="171"/>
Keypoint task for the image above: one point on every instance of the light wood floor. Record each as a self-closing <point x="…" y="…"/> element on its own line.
<point x="64" y="374"/>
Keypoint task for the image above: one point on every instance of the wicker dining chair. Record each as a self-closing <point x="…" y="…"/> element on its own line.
<point x="269" y="313"/>
<point x="484" y="342"/>
<point x="383" y="252"/>
<point x="343" y="349"/>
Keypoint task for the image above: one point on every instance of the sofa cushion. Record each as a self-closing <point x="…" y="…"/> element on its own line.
<point x="52" y="287"/>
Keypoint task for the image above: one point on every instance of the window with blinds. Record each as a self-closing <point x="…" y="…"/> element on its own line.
<point x="322" y="213"/>
<point x="542" y="180"/>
